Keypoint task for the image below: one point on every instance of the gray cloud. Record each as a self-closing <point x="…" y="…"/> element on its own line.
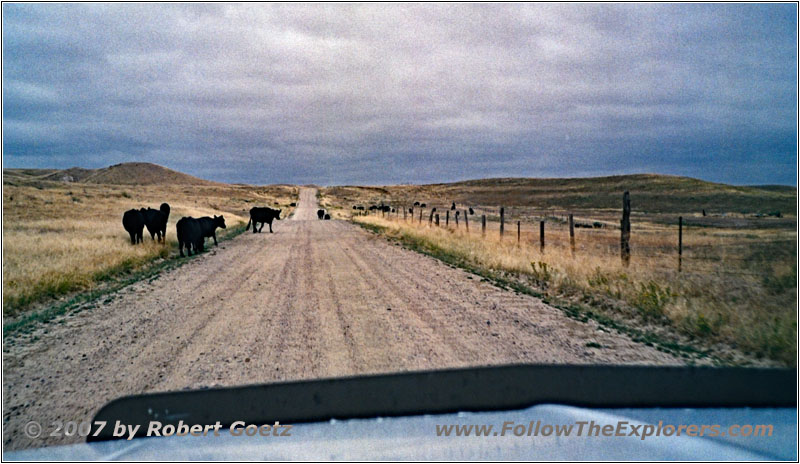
<point x="341" y="93"/>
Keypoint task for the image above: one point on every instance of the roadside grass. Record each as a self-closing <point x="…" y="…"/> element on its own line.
<point x="745" y="300"/>
<point x="62" y="238"/>
<point x="115" y="280"/>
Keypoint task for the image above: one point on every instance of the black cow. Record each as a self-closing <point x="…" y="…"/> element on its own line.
<point x="208" y="227"/>
<point x="423" y="205"/>
<point x="264" y="216"/>
<point x="320" y="213"/>
<point x="133" y="222"/>
<point x="471" y="212"/>
<point x="327" y="217"/>
<point x="190" y="235"/>
<point x="454" y="206"/>
<point x="416" y="203"/>
<point x="156" y="221"/>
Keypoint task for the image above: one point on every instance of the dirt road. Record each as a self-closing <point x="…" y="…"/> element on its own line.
<point x="314" y="299"/>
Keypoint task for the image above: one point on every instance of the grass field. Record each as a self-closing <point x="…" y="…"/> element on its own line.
<point x="737" y="289"/>
<point x="62" y="237"/>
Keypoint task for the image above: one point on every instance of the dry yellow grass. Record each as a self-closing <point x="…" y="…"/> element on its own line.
<point x="737" y="287"/>
<point x="62" y="237"/>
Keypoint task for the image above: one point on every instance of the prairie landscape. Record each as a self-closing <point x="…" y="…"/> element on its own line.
<point x="327" y="298"/>
<point x="607" y="188"/>
<point x="63" y="230"/>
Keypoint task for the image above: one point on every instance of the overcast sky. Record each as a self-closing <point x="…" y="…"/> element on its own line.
<point x="374" y="94"/>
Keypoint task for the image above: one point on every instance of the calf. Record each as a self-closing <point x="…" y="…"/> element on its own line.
<point x="133" y="222"/>
<point x="264" y="216"/>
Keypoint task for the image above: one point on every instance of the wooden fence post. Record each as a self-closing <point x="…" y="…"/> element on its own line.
<point x="456" y="219"/>
<point x="466" y="220"/>
<point x="430" y="219"/>
<point x="571" y="235"/>
<point x="680" y="242"/>
<point x="437" y="219"/>
<point x="518" y="232"/>
<point x="625" y="236"/>
<point x="541" y="236"/>
<point x="404" y="213"/>
<point x="502" y="221"/>
<point x="447" y="218"/>
<point x="420" y="215"/>
<point x="483" y="224"/>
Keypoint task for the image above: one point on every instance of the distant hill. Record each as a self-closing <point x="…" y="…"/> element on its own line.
<point x="650" y="193"/>
<point x="776" y="188"/>
<point x="69" y="175"/>
<point x="121" y="174"/>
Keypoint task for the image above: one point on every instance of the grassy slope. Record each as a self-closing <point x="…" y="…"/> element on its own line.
<point x="656" y="194"/>
<point x="118" y="174"/>
<point x="61" y="237"/>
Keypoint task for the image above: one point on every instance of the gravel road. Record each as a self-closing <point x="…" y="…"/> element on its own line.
<point x="314" y="299"/>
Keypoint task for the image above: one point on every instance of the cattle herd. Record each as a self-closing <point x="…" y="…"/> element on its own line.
<point x="191" y="232"/>
<point x="155" y="220"/>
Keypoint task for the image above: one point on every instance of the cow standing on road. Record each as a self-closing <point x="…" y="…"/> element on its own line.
<point x="264" y="216"/>
<point x="208" y="227"/>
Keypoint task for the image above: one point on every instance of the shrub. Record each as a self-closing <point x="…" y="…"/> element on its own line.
<point x="651" y="298"/>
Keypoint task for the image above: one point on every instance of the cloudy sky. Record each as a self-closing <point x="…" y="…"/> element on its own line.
<point x="372" y="94"/>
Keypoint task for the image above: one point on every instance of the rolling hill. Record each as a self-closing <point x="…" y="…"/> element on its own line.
<point x="650" y="193"/>
<point x="118" y="174"/>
